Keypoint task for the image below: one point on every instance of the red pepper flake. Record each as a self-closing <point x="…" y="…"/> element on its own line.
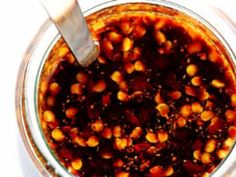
<point x="232" y="131"/>
<point x="141" y="147"/>
<point x="132" y="118"/>
<point x="193" y="168"/>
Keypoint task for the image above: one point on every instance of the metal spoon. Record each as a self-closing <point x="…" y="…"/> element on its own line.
<point x="70" y="22"/>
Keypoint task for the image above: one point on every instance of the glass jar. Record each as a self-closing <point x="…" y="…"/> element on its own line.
<point x="38" y="51"/>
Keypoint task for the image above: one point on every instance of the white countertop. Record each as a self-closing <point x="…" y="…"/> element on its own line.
<point x="20" y="20"/>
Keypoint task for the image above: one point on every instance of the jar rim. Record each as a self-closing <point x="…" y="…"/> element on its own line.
<point x="21" y="98"/>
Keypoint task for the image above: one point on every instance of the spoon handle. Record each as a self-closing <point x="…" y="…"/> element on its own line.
<point x="70" y="22"/>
